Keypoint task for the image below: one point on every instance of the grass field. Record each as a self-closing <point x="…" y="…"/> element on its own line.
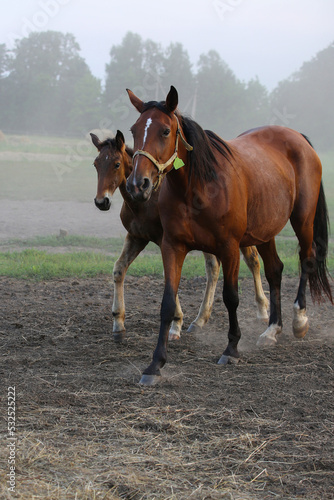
<point x="59" y="169"/>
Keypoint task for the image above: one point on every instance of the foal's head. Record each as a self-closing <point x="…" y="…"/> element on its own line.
<point x="112" y="164"/>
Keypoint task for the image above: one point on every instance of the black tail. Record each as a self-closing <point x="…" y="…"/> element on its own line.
<point x="319" y="277"/>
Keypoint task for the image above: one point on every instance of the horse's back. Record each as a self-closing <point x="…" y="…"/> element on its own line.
<point x="279" y="169"/>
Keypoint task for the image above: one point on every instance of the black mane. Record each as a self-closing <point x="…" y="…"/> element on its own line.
<point x="201" y="159"/>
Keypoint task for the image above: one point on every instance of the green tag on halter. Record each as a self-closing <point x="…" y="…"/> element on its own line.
<point x="178" y="163"/>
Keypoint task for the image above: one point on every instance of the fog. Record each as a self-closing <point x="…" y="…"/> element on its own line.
<point x="255" y="40"/>
<point x="255" y="37"/>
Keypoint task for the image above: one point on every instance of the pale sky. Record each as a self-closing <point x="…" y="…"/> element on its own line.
<point x="268" y="39"/>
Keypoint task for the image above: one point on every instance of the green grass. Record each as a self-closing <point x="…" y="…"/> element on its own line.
<point x="32" y="263"/>
<point x="74" y="179"/>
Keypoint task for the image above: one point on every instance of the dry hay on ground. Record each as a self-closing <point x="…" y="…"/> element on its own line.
<point x="262" y="429"/>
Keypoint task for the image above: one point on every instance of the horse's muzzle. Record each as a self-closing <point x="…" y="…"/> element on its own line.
<point x="141" y="190"/>
<point x="103" y="205"/>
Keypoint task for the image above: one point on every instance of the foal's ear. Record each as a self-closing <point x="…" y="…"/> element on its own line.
<point x="120" y="141"/>
<point x="96" y="141"/>
<point x="138" y="104"/>
<point x="172" y="99"/>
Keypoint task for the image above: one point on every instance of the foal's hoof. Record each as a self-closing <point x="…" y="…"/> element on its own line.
<point x="228" y="360"/>
<point x="264" y="341"/>
<point x="119" y="336"/>
<point x="301" y="330"/>
<point x="172" y="336"/>
<point x="149" y="380"/>
<point x="262" y="316"/>
<point x="193" y="328"/>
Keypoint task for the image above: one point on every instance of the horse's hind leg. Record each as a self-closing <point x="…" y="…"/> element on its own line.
<point x="273" y="268"/>
<point x="131" y="249"/>
<point x="251" y="257"/>
<point x="212" y="268"/>
<point x="307" y="258"/>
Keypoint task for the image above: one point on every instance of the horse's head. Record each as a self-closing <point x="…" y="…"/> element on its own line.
<point x="111" y="165"/>
<point x="156" y="136"/>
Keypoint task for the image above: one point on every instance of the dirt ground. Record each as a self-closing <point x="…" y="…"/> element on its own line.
<point x="31" y="218"/>
<point x="85" y="429"/>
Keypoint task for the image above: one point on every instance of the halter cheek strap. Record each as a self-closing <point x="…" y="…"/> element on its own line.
<point x="162" y="166"/>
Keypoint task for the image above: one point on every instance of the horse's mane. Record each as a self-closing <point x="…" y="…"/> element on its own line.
<point x="201" y="159"/>
<point x="111" y="143"/>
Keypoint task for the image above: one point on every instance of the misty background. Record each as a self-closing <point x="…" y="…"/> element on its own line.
<point x="49" y="85"/>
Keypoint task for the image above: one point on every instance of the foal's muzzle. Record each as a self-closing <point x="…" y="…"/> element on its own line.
<point x="141" y="190"/>
<point x="103" y="205"/>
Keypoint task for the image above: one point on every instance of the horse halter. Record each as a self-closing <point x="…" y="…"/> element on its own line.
<point x="162" y="166"/>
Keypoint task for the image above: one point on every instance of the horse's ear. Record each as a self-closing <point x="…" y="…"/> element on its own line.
<point x="120" y="141"/>
<point x="96" y="141"/>
<point x="138" y="104"/>
<point x="172" y="99"/>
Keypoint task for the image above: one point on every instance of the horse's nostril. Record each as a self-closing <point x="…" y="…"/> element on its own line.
<point x="146" y="184"/>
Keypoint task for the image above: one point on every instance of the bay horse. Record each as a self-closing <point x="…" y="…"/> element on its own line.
<point x="142" y="222"/>
<point x="218" y="196"/>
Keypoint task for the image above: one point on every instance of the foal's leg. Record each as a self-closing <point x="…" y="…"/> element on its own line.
<point x="175" y="329"/>
<point x="131" y="249"/>
<point x="251" y="257"/>
<point x="212" y="267"/>
<point x="273" y="268"/>
<point x="173" y="258"/>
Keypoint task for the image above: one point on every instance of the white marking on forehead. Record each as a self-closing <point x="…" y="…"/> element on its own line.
<point x="148" y="123"/>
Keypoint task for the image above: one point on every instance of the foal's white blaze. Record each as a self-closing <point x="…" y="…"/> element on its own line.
<point x="268" y="338"/>
<point x="300" y="321"/>
<point x="147" y="126"/>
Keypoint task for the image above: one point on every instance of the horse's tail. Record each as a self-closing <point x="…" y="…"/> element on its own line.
<point x="318" y="279"/>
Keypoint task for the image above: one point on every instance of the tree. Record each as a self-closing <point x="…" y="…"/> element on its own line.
<point x="304" y="101"/>
<point x="43" y="71"/>
<point x="177" y="71"/>
<point x="218" y="95"/>
<point x="85" y="112"/>
<point x="134" y="64"/>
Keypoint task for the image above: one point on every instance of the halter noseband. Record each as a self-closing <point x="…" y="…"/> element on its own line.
<point x="162" y="166"/>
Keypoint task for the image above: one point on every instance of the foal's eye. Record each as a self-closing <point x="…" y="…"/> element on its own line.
<point x="118" y="164"/>
<point x="166" y="132"/>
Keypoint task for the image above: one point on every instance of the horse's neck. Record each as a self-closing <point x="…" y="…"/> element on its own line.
<point x="127" y="171"/>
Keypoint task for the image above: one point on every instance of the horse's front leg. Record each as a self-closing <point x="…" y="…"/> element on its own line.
<point x="173" y="258"/>
<point x="230" y="262"/>
<point x="131" y="249"/>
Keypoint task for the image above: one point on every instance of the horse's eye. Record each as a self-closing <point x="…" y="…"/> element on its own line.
<point x="166" y="132"/>
<point x="118" y="164"/>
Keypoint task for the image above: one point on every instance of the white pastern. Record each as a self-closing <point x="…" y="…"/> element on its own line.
<point x="300" y="321"/>
<point x="147" y="126"/>
<point x="268" y="338"/>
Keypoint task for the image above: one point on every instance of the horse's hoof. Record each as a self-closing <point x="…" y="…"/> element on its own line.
<point x="119" y="336"/>
<point x="228" y="360"/>
<point x="264" y="341"/>
<point x="172" y="336"/>
<point x="149" y="380"/>
<point x="300" y="331"/>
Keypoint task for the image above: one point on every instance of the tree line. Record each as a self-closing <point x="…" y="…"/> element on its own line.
<point x="47" y="87"/>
